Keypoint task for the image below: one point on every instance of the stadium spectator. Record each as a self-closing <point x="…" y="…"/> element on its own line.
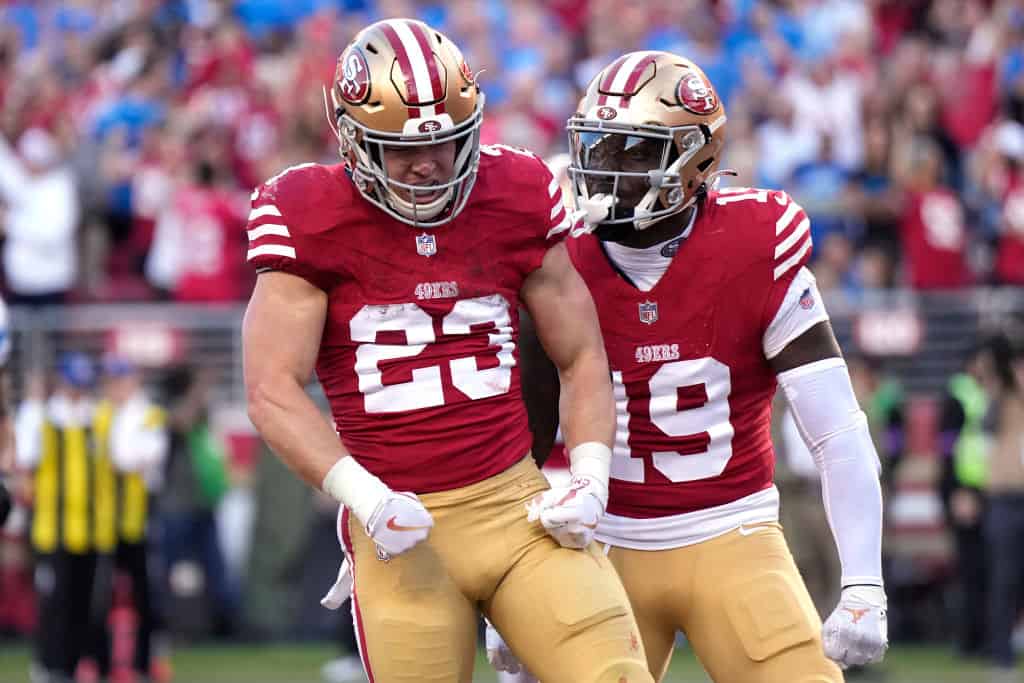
<point x="38" y="188"/>
<point x="1004" y="518"/>
<point x="67" y="535"/>
<point x="932" y="230"/>
<point x="196" y="481"/>
<point x="138" y="448"/>
<point x="966" y="431"/>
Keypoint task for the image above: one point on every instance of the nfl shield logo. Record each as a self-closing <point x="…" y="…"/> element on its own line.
<point x="649" y="312"/>
<point x="426" y="245"/>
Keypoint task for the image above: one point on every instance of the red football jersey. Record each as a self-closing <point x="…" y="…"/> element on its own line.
<point x="1010" y="258"/>
<point x="692" y="386"/>
<point x="419" y="356"/>
<point x="212" y="269"/>
<point x="932" y="231"/>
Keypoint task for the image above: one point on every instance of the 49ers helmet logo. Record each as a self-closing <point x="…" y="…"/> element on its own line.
<point x="695" y="93"/>
<point x="607" y="113"/>
<point x="353" y="77"/>
<point x="429" y="126"/>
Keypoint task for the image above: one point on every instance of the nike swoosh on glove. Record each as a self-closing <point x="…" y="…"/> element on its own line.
<point x="399" y="522"/>
<point x="502" y="658"/>
<point x="857" y="633"/>
<point x="341" y="589"/>
<point x="570" y="513"/>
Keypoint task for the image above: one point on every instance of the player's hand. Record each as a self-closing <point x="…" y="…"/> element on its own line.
<point x="857" y="633"/>
<point x="570" y="513"/>
<point x="342" y="588"/>
<point x="399" y="522"/>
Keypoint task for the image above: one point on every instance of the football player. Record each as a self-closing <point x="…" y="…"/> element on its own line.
<point x="705" y="304"/>
<point x="397" y="275"/>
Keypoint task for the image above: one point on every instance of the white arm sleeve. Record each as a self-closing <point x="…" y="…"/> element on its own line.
<point x="801" y="309"/>
<point x="835" y="430"/>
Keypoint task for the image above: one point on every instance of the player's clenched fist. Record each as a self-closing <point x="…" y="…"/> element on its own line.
<point x="399" y="522"/>
<point x="396" y="521"/>
<point x="857" y="633"/>
<point x="570" y="513"/>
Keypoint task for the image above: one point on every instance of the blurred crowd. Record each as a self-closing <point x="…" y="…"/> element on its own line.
<point x="133" y="132"/>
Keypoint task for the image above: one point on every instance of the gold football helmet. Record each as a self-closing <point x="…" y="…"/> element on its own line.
<point x="645" y="106"/>
<point x="400" y="83"/>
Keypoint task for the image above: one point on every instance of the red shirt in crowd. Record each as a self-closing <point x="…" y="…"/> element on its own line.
<point x="213" y="246"/>
<point x="1010" y="257"/>
<point x="932" y="233"/>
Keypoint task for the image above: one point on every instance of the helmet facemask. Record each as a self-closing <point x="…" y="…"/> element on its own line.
<point x="635" y="199"/>
<point x="363" y="149"/>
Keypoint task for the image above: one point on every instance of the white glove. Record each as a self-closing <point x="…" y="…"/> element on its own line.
<point x="856" y="633"/>
<point x="341" y="589"/>
<point x="396" y="521"/>
<point x="502" y="658"/>
<point x="399" y="522"/>
<point x="570" y="513"/>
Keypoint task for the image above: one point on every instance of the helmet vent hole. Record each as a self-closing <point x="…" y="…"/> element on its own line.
<point x="371" y="48"/>
<point x="437" y="36"/>
<point x="703" y="166"/>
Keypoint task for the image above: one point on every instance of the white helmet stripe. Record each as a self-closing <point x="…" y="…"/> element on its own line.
<point x="418" y="62"/>
<point x="622" y="77"/>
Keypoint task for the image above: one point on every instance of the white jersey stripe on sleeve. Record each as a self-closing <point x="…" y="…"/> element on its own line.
<point x="553" y="187"/>
<point x="787" y="217"/>
<point x="792" y="238"/>
<point x="559" y="206"/>
<point x="793" y="260"/>
<point x="271" y="250"/>
<point x="268" y="229"/>
<point x="564" y="225"/>
<point x="266" y="210"/>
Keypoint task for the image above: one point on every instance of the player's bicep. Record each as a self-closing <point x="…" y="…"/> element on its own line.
<point x="800" y="331"/>
<point x="817" y="343"/>
<point x="282" y="329"/>
<point x="562" y="310"/>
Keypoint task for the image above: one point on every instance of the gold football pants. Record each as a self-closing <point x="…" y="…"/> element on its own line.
<point x="563" y="612"/>
<point x="740" y="601"/>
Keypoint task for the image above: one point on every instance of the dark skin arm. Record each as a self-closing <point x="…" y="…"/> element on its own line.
<point x="817" y="343"/>
<point x="540" y="389"/>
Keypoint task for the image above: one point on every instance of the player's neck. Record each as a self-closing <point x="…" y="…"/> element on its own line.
<point x="663" y="230"/>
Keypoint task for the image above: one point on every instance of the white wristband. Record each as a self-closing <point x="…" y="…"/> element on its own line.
<point x="594" y="460"/>
<point x="353" y="486"/>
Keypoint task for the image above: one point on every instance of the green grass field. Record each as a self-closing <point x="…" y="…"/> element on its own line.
<point x="301" y="664"/>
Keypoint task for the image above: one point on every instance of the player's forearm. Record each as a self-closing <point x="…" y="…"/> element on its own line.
<point x="836" y="432"/>
<point x="292" y="425"/>
<point x="587" y="406"/>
